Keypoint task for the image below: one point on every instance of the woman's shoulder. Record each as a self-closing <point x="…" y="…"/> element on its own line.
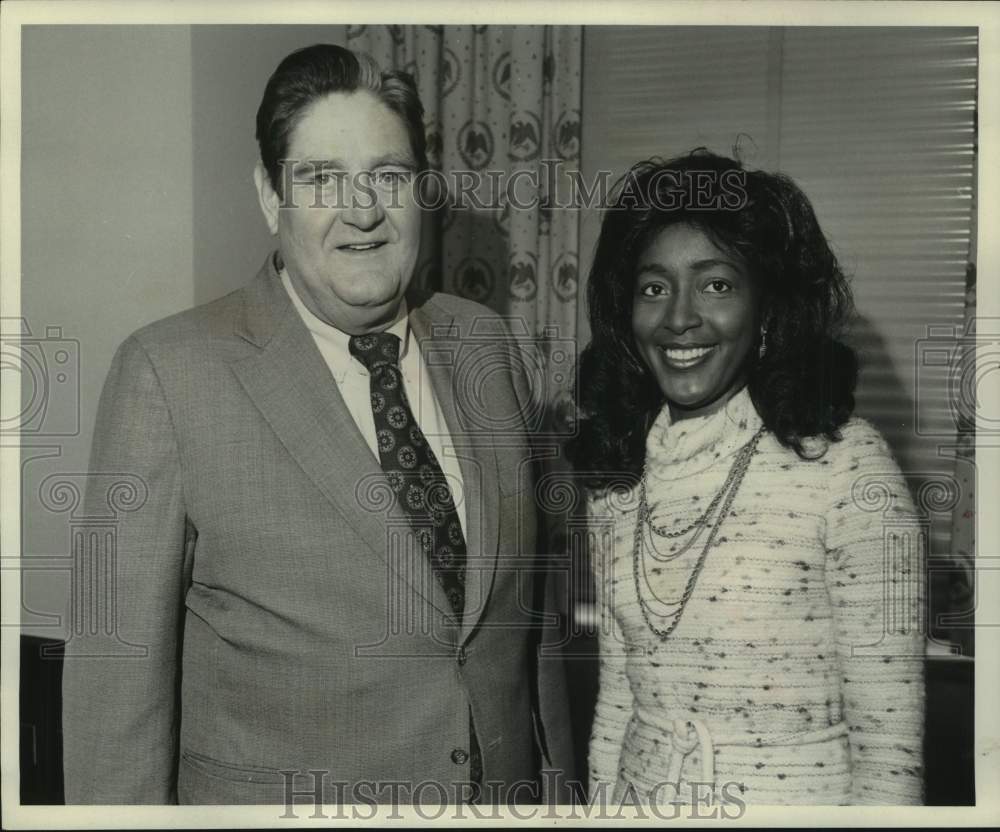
<point x="858" y="456"/>
<point x="861" y="441"/>
<point x="860" y="430"/>
<point x="863" y="465"/>
<point x="857" y="436"/>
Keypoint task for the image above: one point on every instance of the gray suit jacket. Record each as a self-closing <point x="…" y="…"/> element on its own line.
<point x="279" y="613"/>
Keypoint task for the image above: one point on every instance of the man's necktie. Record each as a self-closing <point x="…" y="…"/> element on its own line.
<point x="411" y="468"/>
<point x="417" y="480"/>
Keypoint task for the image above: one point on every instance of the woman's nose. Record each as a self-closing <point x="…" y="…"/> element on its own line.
<point x="681" y="315"/>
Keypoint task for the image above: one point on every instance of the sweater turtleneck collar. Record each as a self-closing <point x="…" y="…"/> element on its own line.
<point x="690" y="446"/>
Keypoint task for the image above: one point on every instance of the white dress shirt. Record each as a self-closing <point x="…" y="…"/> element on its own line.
<point x="353" y="381"/>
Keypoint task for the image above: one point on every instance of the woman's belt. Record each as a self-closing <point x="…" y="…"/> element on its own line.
<point x="688" y="733"/>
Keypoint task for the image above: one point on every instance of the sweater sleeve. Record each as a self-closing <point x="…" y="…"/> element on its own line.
<point x="614" y="695"/>
<point x="875" y="576"/>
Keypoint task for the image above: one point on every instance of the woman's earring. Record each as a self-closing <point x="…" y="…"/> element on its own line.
<point x="763" y="342"/>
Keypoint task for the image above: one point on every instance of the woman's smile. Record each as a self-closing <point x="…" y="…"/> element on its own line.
<point x="694" y="319"/>
<point x="685" y="358"/>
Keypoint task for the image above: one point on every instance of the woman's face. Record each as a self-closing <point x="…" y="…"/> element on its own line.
<point x="694" y="319"/>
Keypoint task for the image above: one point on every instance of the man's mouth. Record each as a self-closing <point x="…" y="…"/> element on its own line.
<point x="360" y="247"/>
<point x="683" y="358"/>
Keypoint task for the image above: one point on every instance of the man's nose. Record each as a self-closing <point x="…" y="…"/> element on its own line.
<point x="362" y="208"/>
<point x="681" y="314"/>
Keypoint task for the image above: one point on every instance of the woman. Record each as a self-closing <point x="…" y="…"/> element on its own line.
<point x="743" y="588"/>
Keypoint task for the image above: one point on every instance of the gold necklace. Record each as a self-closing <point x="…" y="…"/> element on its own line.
<point x="726" y="495"/>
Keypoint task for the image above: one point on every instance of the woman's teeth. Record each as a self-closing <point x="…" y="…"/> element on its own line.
<point x="686" y="357"/>
<point x="686" y="354"/>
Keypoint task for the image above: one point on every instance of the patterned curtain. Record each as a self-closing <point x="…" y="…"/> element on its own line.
<point x="502" y="110"/>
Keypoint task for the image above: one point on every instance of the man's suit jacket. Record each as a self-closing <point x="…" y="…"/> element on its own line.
<point x="288" y="619"/>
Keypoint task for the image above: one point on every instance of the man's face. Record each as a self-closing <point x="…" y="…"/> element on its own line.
<point x="349" y="225"/>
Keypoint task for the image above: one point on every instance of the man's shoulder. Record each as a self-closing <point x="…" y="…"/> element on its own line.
<point x="217" y="320"/>
<point x="470" y="318"/>
<point x="204" y="319"/>
<point x="195" y="326"/>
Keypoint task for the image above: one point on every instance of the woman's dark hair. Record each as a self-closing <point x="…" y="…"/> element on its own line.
<point x="308" y="75"/>
<point x="802" y="387"/>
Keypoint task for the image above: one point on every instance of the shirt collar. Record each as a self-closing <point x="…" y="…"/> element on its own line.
<point x="337" y="339"/>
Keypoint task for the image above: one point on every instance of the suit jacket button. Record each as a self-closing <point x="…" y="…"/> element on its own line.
<point x="459" y="756"/>
<point x="461" y="657"/>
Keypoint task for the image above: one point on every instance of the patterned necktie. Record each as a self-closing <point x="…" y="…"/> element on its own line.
<point x="411" y="468"/>
<point x="416" y="478"/>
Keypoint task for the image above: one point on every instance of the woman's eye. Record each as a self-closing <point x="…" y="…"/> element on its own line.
<point x="718" y="286"/>
<point x="651" y="290"/>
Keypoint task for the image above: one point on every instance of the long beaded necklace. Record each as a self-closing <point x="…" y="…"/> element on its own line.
<point x="725" y="496"/>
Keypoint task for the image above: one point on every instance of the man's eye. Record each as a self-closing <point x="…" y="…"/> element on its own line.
<point x="391" y="177"/>
<point x="327" y="177"/>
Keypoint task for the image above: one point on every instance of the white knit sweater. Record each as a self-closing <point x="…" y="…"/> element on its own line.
<point x="790" y="678"/>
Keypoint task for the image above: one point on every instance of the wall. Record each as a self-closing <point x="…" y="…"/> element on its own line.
<point x="106" y="243"/>
<point x="230" y="66"/>
<point x="137" y="202"/>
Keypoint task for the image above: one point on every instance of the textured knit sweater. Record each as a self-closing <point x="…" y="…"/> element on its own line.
<point x="795" y="672"/>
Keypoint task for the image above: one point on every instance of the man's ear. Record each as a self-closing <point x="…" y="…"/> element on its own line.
<point x="266" y="196"/>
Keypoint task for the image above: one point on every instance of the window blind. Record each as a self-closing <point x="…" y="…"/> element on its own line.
<point x="877" y="126"/>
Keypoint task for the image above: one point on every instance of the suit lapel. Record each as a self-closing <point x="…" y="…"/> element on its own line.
<point x="440" y="340"/>
<point x="290" y="384"/>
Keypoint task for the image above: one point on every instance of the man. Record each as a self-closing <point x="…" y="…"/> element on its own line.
<point x="332" y="567"/>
